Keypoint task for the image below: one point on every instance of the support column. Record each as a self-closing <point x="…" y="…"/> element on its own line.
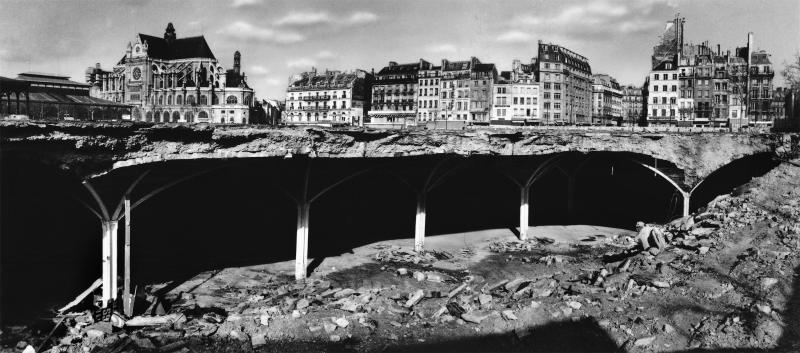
<point x="686" y="198"/>
<point x="419" y="229"/>
<point x="109" y="261"/>
<point x="301" y="254"/>
<point x="127" y="298"/>
<point x="523" y="212"/>
<point x="17" y="102"/>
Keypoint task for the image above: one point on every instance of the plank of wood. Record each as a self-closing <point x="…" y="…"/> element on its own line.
<point x="82" y="296"/>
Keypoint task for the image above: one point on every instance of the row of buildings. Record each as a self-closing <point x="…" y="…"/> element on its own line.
<point x="556" y="87"/>
<point x="171" y="79"/>
<point x="699" y="85"/>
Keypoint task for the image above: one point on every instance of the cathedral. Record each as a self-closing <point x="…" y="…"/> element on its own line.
<point x="173" y="79"/>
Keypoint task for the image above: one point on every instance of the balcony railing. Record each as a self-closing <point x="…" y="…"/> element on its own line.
<point x="323" y="108"/>
<point x="316" y="98"/>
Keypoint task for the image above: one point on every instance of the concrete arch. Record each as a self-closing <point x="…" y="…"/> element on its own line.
<point x="685" y="194"/>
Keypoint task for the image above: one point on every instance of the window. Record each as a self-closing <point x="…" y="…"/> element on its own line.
<point x="203" y="99"/>
<point x="655" y="88"/>
<point x="178" y="100"/>
<point x="655" y="100"/>
<point x="655" y="77"/>
<point x="674" y="88"/>
<point x="231" y="100"/>
<point x="190" y="100"/>
<point x="655" y="112"/>
<point x="674" y="76"/>
<point x="556" y="95"/>
<point x="556" y="86"/>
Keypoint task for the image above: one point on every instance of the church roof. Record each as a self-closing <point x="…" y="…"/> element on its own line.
<point x="179" y="48"/>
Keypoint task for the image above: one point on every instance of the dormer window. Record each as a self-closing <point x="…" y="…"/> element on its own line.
<point x="668" y="66"/>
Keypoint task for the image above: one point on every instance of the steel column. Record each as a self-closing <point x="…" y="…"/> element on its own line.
<point x="523" y="212"/>
<point x="127" y="299"/>
<point x="419" y="230"/>
<point x="109" y="262"/>
<point x="301" y="254"/>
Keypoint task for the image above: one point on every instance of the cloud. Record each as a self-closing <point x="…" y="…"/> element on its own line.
<point x="361" y="17"/>
<point x="514" y="37"/>
<point x="316" y="18"/>
<point x="599" y="19"/>
<point x="259" y="70"/>
<point x="303" y="19"/>
<point x="301" y="63"/>
<point x="272" y="81"/>
<point x="245" y="31"/>
<point x="240" y="3"/>
<point x="441" y="48"/>
<point x="325" y="54"/>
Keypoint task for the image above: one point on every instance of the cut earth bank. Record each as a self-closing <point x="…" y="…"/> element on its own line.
<point x="724" y="280"/>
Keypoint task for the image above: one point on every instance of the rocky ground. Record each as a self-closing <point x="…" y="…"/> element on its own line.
<point x="722" y="279"/>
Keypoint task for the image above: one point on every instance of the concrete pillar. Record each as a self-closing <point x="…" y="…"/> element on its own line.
<point x="686" y="198"/>
<point x="301" y="250"/>
<point x="419" y="229"/>
<point x="109" y="261"/>
<point x="523" y="212"/>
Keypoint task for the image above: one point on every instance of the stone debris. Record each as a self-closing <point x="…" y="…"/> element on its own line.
<point x="414" y="298"/>
<point x="509" y="315"/>
<point x="612" y="287"/>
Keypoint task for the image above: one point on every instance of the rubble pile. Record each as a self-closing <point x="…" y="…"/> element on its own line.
<point x="719" y="278"/>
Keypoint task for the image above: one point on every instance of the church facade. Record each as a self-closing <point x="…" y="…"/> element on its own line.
<point x="174" y="79"/>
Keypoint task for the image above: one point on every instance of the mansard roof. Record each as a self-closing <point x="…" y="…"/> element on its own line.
<point x="396" y="69"/>
<point x="179" y="48"/>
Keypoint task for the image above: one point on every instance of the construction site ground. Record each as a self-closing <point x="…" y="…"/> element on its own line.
<point x="724" y="280"/>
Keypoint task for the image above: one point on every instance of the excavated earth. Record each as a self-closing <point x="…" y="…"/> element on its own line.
<point x="724" y="282"/>
<point x="91" y="149"/>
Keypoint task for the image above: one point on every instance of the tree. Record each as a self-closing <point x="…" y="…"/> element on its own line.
<point x="791" y="72"/>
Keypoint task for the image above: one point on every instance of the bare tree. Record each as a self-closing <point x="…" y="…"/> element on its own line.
<point x="791" y="72"/>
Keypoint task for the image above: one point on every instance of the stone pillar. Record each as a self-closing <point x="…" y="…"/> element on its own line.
<point x="109" y="261"/>
<point x="419" y="229"/>
<point x="301" y="249"/>
<point x="686" y="198"/>
<point x="523" y="212"/>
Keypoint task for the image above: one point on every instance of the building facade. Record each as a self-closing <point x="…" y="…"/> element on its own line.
<point x="328" y="98"/>
<point x="663" y="99"/>
<point x="717" y="89"/>
<point x="429" y="83"/>
<point x="466" y="90"/>
<point x="171" y="79"/>
<point x="760" y="90"/>
<point x="632" y="105"/>
<point x="566" y="85"/>
<point x="606" y="100"/>
<point x="516" y="97"/>
<point x="394" y="94"/>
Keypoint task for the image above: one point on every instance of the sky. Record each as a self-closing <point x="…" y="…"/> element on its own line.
<point x="278" y="38"/>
